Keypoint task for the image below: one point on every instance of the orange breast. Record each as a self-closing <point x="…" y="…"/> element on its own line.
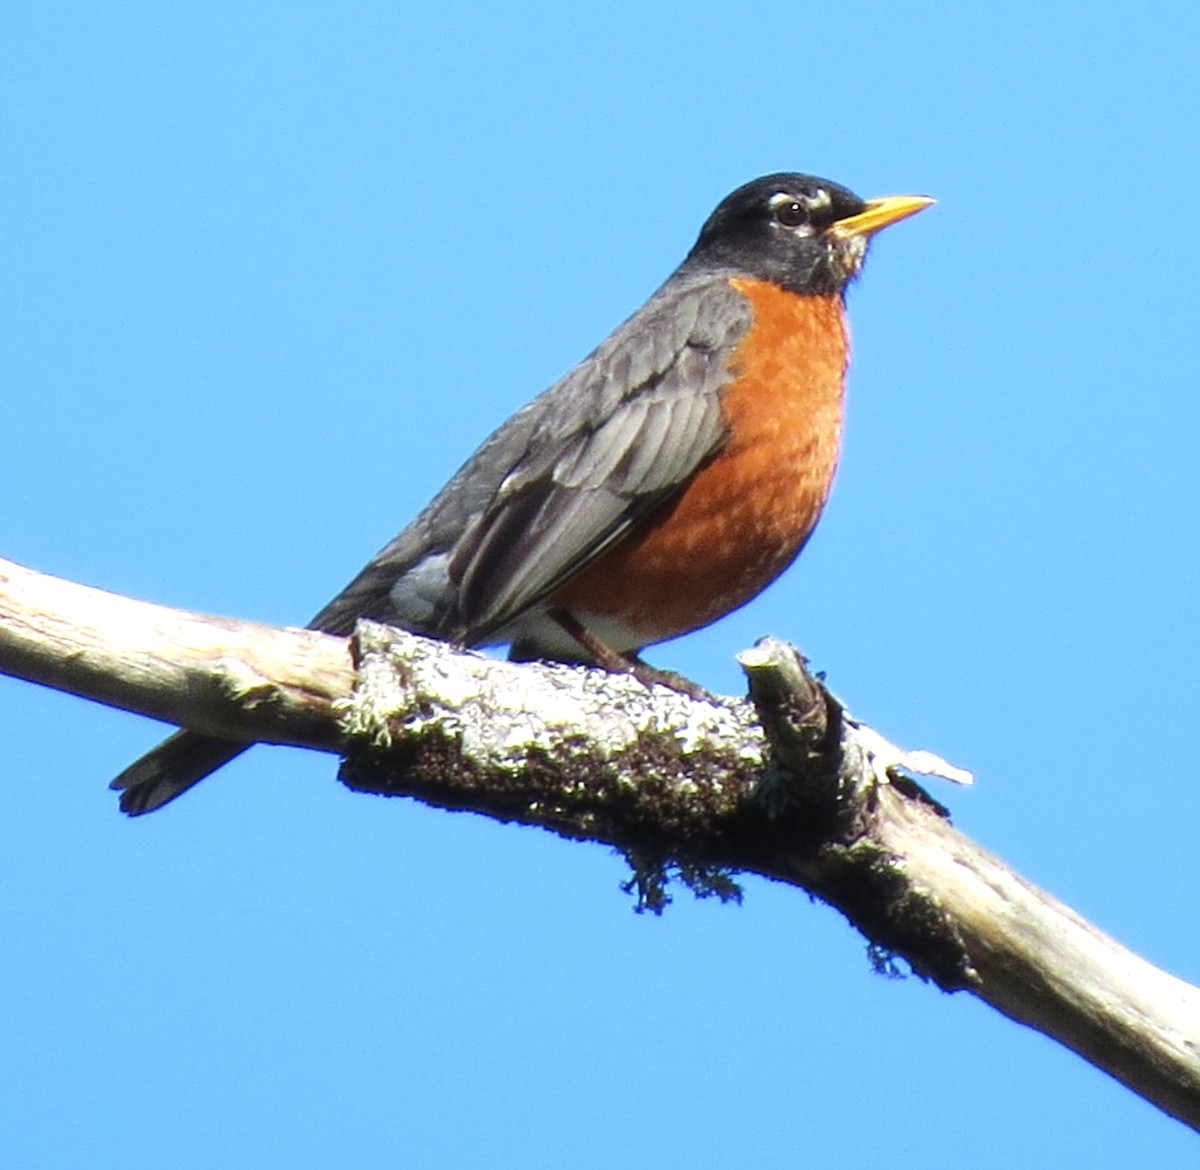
<point x="747" y="513"/>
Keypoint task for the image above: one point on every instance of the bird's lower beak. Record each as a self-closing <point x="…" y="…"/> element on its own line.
<point x="879" y="214"/>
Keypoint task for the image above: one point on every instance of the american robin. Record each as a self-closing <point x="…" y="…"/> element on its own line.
<point x="666" y="480"/>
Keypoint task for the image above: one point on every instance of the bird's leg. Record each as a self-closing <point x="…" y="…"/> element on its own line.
<point x="615" y="662"/>
<point x="602" y="655"/>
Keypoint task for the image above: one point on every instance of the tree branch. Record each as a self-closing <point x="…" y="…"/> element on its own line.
<point x="698" y="789"/>
<point x="232" y="678"/>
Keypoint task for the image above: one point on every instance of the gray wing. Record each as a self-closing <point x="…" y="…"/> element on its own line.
<point x="564" y="478"/>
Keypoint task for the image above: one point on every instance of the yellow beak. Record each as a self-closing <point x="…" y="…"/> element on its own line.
<point x="879" y="213"/>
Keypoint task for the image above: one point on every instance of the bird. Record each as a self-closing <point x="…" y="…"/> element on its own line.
<point x="661" y="484"/>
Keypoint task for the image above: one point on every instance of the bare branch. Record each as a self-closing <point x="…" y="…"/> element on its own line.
<point x="698" y="788"/>
<point x="233" y="678"/>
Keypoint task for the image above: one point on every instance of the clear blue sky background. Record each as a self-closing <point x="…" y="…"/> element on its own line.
<point x="268" y="272"/>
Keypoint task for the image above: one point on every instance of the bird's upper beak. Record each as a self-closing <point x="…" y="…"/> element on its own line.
<point x="878" y="214"/>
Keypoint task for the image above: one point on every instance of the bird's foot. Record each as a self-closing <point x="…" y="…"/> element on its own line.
<point x="650" y="676"/>
<point x="615" y="662"/>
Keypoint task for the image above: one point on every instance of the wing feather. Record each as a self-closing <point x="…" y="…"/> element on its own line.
<point x="584" y="485"/>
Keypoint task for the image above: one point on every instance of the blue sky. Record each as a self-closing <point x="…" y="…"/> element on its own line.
<point x="269" y="272"/>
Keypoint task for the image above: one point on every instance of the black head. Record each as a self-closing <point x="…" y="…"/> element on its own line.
<point x="805" y="234"/>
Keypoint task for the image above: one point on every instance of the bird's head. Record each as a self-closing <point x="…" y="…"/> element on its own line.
<point x="807" y="235"/>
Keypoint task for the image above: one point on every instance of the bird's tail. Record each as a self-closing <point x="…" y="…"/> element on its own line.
<point x="170" y="769"/>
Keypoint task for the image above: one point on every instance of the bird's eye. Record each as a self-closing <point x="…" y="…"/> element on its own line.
<point x="791" y="213"/>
